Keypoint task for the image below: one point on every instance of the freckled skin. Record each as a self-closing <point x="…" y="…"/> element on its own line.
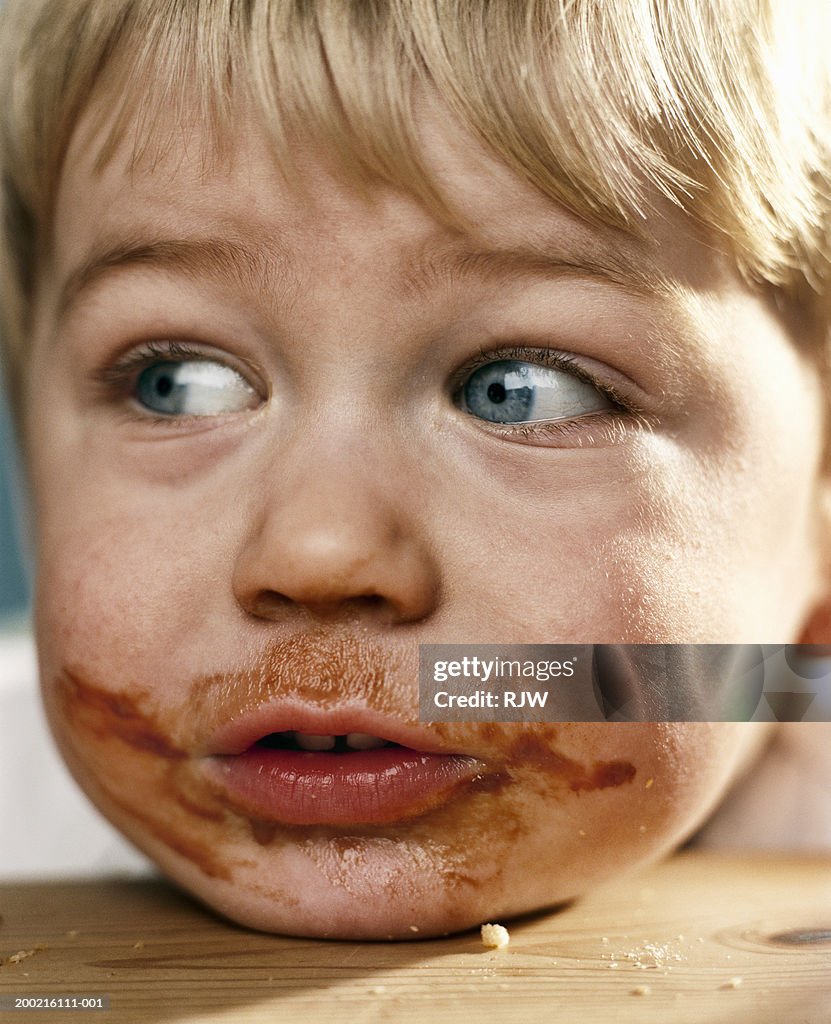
<point x="305" y="547"/>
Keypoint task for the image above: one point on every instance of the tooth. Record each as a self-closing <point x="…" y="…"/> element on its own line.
<point x="363" y="741"/>
<point x="309" y="741"/>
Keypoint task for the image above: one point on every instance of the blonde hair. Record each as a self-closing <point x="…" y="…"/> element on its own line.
<point x="723" y="106"/>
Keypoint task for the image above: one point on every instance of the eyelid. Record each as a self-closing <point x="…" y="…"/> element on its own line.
<point x="116" y="374"/>
<point x="622" y="398"/>
<point x="591" y="430"/>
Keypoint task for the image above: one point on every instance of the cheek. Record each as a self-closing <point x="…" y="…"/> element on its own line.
<point x="575" y="559"/>
<point x="639" y="791"/>
<point x="120" y="611"/>
<point x="581" y="804"/>
<point x="658" y="772"/>
<point x="117" y="593"/>
<point x="127" y="566"/>
<point x="125" y="755"/>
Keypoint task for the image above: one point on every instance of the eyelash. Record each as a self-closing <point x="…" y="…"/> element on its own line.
<point x="119" y="374"/>
<point x="119" y="378"/>
<point x="598" y="428"/>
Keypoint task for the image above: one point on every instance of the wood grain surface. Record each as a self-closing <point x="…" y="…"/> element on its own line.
<point x="700" y="938"/>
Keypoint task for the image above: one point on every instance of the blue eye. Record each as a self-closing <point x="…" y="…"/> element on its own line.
<point x="514" y="391"/>
<point x="195" y="387"/>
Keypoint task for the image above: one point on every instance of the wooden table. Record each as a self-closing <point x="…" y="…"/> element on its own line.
<point x="699" y="938"/>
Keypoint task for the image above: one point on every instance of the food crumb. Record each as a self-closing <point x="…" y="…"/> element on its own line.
<point x="139" y="944"/>
<point x="581" y="832"/>
<point x="733" y="982"/>
<point x="604" y="938"/>
<point x="413" y="927"/>
<point x="642" y="990"/>
<point x="378" y="990"/>
<point x="650" y="956"/>
<point x="494" y="936"/>
<point x="648" y="783"/>
<point x="23" y="954"/>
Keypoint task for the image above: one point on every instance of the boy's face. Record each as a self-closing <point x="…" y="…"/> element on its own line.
<point x="277" y="441"/>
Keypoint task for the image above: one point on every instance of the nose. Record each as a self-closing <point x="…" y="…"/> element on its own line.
<point x="337" y="540"/>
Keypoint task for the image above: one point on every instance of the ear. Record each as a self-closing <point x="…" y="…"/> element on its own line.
<point x="817" y="629"/>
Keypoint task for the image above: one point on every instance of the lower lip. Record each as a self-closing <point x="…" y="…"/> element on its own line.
<point x="365" y="787"/>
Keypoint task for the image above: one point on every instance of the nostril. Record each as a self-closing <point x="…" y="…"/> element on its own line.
<point x="348" y="608"/>
<point x="271" y="605"/>
<point x="267" y="604"/>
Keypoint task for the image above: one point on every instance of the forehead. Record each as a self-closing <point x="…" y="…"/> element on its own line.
<point x="180" y="183"/>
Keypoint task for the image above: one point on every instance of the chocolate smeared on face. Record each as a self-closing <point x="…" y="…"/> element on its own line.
<point x="320" y="667"/>
<point x="175" y="805"/>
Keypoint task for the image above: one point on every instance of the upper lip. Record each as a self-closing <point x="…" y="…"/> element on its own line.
<point x="317" y="681"/>
<point x="241" y="732"/>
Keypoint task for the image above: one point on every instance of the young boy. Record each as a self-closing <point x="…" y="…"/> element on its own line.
<point x="272" y="272"/>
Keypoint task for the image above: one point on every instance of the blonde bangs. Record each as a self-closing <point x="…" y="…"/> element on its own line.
<point x="720" y="106"/>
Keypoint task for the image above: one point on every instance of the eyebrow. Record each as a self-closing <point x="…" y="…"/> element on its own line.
<point x="634" y="272"/>
<point x="250" y="267"/>
<point x="217" y="258"/>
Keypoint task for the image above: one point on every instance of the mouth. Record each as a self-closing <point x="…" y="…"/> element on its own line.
<point x="308" y="775"/>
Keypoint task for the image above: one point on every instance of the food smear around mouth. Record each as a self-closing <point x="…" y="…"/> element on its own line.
<point x="167" y="803"/>
<point x="117" y="714"/>
<point x="151" y="780"/>
<point x="537" y="752"/>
